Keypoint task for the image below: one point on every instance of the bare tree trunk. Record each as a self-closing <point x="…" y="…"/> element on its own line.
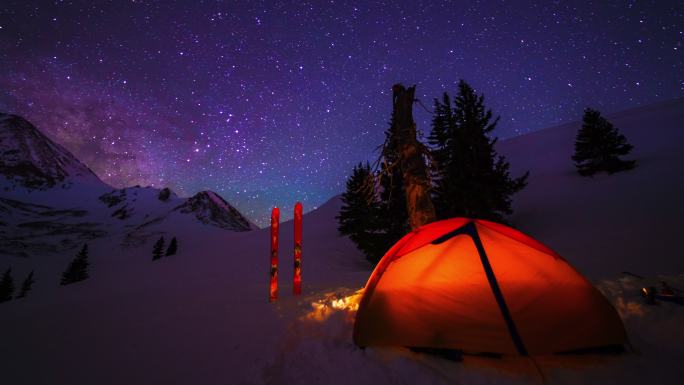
<point x="415" y="174"/>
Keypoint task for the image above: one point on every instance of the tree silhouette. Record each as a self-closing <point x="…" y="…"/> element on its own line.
<point x="469" y="178"/>
<point x="173" y="247"/>
<point x="26" y="286"/>
<point x="360" y="212"/>
<point x="599" y="145"/>
<point x="158" y="249"/>
<point x="78" y="268"/>
<point x="6" y="286"/>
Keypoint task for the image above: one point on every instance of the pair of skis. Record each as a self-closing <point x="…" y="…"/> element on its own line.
<point x="275" y="224"/>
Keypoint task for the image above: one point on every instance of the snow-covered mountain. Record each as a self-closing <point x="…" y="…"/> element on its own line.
<point x="29" y="159"/>
<point x="209" y="208"/>
<point x="50" y="201"/>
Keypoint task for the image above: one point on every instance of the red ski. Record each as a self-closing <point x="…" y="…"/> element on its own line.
<point x="275" y="220"/>
<point x="297" y="284"/>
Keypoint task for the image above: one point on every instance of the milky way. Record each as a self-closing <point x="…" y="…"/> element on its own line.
<point x="272" y="102"/>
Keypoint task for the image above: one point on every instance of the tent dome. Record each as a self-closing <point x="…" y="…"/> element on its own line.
<point x="482" y="287"/>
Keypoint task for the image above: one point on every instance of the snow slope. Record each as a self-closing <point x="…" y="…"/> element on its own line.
<point x="202" y="316"/>
<point x="629" y="221"/>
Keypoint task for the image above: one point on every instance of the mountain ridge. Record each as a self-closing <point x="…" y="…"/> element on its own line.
<point x="50" y="201"/>
<point x="31" y="160"/>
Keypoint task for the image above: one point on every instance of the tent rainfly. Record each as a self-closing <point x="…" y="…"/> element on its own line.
<point x="482" y="287"/>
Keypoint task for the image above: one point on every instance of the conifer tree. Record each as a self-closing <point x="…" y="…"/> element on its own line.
<point x="26" y="286"/>
<point x="472" y="180"/>
<point x="78" y="268"/>
<point x="599" y="145"/>
<point x="158" y="249"/>
<point x="374" y="213"/>
<point x="6" y="286"/>
<point x="173" y="247"/>
<point x="358" y="217"/>
<point x="442" y="127"/>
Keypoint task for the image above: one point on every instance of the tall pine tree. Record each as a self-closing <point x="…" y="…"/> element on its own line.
<point x="78" y="268"/>
<point x="471" y="179"/>
<point x="6" y="286"/>
<point x="599" y="145"/>
<point x="26" y="286"/>
<point x="158" y="249"/>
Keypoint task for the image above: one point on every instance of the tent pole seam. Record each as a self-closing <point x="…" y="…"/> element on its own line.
<point x="470" y="230"/>
<point x="494" y="284"/>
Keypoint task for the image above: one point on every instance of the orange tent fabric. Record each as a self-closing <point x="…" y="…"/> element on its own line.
<point x="480" y="286"/>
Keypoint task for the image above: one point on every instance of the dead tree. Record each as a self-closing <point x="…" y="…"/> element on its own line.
<point x="410" y="154"/>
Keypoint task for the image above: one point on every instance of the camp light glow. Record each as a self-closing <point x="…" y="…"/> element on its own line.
<point x="334" y="302"/>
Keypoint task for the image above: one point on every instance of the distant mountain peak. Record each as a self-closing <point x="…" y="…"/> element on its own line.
<point x="52" y="202"/>
<point x="211" y="208"/>
<point x="30" y="159"/>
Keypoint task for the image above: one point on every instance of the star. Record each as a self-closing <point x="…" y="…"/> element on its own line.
<point x="275" y="104"/>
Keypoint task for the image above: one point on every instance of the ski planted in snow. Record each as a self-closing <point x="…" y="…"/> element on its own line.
<point x="275" y="221"/>
<point x="297" y="283"/>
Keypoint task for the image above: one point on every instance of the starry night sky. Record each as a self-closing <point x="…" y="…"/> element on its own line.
<point x="269" y="102"/>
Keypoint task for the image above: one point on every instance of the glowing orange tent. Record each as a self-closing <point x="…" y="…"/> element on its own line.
<point x="482" y="287"/>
